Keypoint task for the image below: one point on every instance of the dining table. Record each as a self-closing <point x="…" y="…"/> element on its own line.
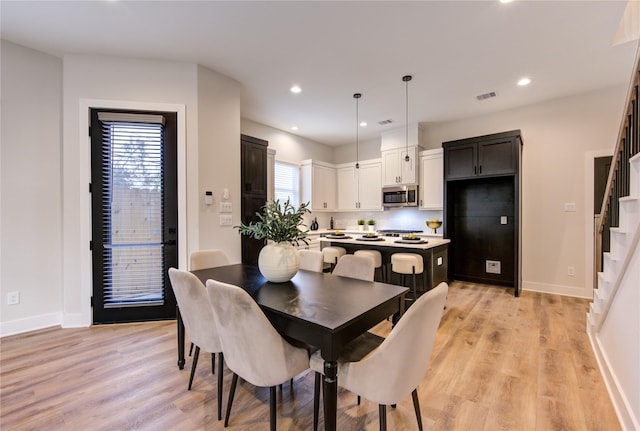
<point x="322" y="310"/>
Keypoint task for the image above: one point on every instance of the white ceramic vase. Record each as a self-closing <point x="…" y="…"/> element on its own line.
<point x="372" y="227"/>
<point x="278" y="262"/>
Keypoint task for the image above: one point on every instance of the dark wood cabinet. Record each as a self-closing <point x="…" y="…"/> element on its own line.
<point x="253" y="174"/>
<point x="482" y="208"/>
<point x="483" y="156"/>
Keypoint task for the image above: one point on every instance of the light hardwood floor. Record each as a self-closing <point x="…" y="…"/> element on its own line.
<point x="499" y="363"/>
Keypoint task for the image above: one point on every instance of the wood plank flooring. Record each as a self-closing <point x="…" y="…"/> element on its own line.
<point x="499" y="363"/>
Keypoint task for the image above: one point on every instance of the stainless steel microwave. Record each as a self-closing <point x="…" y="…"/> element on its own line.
<point x="400" y="196"/>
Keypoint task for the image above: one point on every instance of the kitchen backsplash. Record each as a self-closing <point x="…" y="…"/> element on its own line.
<point x="397" y="218"/>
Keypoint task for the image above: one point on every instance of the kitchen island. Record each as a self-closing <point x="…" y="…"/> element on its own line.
<point x="434" y="254"/>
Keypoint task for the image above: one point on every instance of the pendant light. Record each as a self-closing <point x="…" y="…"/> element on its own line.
<point x="357" y="96"/>
<point x="406" y="80"/>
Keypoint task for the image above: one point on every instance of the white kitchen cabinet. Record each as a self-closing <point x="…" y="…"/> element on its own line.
<point x="318" y="185"/>
<point x="431" y="179"/>
<point x="360" y="189"/>
<point x="396" y="170"/>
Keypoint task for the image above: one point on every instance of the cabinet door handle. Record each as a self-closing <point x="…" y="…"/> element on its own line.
<point x="475" y="170"/>
<point x="480" y="169"/>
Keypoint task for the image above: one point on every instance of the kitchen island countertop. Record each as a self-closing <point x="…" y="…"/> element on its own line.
<point x="388" y="242"/>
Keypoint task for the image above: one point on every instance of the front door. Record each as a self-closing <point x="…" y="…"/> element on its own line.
<point x="134" y="214"/>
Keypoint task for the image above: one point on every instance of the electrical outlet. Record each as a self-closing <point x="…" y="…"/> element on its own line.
<point x="13" y="298"/>
<point x="571" y="271"/>
<point x="493" y="267"/>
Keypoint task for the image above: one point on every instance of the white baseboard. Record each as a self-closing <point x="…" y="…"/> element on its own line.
<point x="556" y="289"/>
<point x="620" y="402"/>
<point x="28" y="324"/>
<point x="77" y="320"/>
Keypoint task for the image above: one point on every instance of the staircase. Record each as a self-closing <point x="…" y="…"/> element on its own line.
<point x="624" y="242"/>
<point x="613" y="320"/>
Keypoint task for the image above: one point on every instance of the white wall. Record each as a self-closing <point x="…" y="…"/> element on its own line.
<point x="48" y="219"/>
<point x="30" y="220"/>
<point x="218" y="161"/>
<point x="288" y="147"/>
<point x="556" y="137"/>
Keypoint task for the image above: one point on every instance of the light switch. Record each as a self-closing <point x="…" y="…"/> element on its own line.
<point x="226" y="220"/>
<point x="226" y="207"/>
<point x="503" y="219"/>
<point x="569" y="207"/>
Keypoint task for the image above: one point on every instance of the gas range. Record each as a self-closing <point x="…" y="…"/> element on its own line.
<point x="397" y="232"/>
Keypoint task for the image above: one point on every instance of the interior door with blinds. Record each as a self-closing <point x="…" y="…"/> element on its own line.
<point x="134" y="214"/>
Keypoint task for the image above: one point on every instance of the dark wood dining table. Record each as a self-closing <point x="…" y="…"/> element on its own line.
<point x="320" y="309"/>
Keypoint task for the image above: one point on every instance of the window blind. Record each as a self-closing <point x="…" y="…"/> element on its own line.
<point x="132" y="169"/>
<point x="286" y="184"/>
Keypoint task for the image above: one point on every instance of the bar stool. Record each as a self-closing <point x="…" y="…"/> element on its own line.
<point x="332" y="254"/>
<point x="407" y="263"/>
<point x="376" y="256"/>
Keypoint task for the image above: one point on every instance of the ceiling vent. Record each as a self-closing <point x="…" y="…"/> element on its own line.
<point x="385" y="122"/>
<point x="486" y="96"/>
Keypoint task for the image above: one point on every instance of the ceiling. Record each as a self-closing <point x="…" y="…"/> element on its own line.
<point x="455" y="50"/>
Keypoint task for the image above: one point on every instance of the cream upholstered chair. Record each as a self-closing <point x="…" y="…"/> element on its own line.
<point x="377" y="260"/>
<point x="202" y="259"/>
<point x="211" y="258"/>
<point x="333" y="254"/>
<point x="199" y="324"/>
<point x="311" y="260"/>
<point x="252" y="347"/>
<point x="352" y="266"/>
<point x="408" y="264"/>
<point x="386" y="371"/>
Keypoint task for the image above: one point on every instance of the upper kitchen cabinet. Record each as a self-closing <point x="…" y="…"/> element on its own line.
<point x="253" y="195"/>
<point x="318" y="185"/>
<point x="396" y="170"/>
<point x="483" y="156"/>
<point x="360" y="189"/>
<point x="396" y="145"/>
<point x="431" y="183"/>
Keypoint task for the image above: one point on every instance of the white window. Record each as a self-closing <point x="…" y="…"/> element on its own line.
<point x="287" y="182"/>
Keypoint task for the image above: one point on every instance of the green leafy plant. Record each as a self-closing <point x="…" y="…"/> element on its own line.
<point x="371" y="222"/>
<point x="278" y="223"/>
<point x="361" y="222"/>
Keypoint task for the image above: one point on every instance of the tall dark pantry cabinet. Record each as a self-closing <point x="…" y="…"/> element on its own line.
<point x="482" y="194"/>
<point x="253" y="195"/>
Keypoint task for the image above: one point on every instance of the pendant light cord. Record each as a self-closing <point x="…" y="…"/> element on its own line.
<point x="406" y="80"/>
<point x="357" y="96"/>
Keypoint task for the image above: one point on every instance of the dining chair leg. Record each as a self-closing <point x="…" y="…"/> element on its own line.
<point x="232" y="391"/>
<point x="213" y="363"/>
<point x="272" y="408"/>
<point x="383" y="417"/>
<point x="193" y="366"/>
<point x="191" y="349"/>
<point x="358" y="399"/>
<point x="415" y="291"/>
<point x="220" y="379"/>
<point x="416" y="406"/>
<point x="316" y="401"/>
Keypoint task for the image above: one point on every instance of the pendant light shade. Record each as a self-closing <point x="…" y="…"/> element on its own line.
<point x="357" y="96"/>
<point x="406" y="80"/>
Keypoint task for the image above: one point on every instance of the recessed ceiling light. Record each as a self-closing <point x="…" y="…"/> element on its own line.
<point x="524" y="81"/>
<point x="295" y="89"/>
<point x="363" y="124"/>
<point x="505" y="1"/>
<point x="294" y="128"/>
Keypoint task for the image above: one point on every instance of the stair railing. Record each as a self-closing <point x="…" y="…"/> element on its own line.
<point x="619" y="179"/>
<point x="618" y="182"/>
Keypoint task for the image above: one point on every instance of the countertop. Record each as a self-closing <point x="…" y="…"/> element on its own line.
<point x="432" y="241"/>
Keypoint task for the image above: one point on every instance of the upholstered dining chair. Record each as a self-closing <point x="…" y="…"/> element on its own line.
<point x="199" y="323"/>
<point x="252" y="347"/>
<point x="352" y="266"/>
<point x="311" y="260"/>
<point x="202" y="259"/>
<point x="212" y="258"/>
<point x="387" y="370"/>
